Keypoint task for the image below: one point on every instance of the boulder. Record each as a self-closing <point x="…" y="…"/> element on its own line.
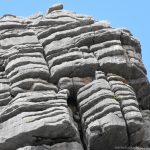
<point x="55" y="7"/>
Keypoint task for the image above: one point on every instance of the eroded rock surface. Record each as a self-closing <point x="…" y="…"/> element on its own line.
<point x="68" y="82"/>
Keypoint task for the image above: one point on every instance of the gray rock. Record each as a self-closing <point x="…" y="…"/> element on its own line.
<point x="58" y="46"/>
<point x="98" y="137"/>
<point x="10" y="17"/>
<point x="68" y="82"/>
<point x="98" y="110"/>
<point x="79" y="67"/>
<point x="65" y="58"/>
<point x="60" y="146"/>
<point x="73" y="84"/>
<point x="30" y="124"/>
<point x="130" y="112"/>
<point x="51" y="22"/>
<point x="67" y="26"/>
<point x="55" y="7"/>
<point x="110" y="51"/>
<point x="146" y="126"/>
<point x="9" y="42"/>
<point x="10" y="25"/>
<point x="70" y="33"/>
<point x="91" y="88"/>
<point x="5" y="96"/>
<point x="102" y="45"/>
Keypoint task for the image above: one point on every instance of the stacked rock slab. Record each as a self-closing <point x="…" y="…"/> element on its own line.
<point x="66" y="78"/>
<point x="59" y="146"/>
<point x="129" y="107"/>
<point x="64" y="35"/>
<point x="109" y="108"/>
<point x="33" y="112"/>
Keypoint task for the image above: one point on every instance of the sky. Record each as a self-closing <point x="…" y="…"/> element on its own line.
<point x="131" y="14"/>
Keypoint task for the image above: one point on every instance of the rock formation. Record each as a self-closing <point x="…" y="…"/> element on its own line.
<point x="68" y="82"/>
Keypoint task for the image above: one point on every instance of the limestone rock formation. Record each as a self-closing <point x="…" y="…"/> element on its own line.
<point x="68" y="82"/>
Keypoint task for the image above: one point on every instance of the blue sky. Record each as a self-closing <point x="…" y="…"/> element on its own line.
<point x="132" y="14"/>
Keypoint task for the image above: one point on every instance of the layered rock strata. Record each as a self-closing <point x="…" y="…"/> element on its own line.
<point x="109" y="108"/>
<point x="68" y="82"/>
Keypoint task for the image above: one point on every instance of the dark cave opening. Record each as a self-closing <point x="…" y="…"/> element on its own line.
<point x="73" y="105"/>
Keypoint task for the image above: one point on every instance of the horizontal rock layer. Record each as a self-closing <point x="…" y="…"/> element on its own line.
<point x="34" y="118"/>
<point x="60" y="146"/>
